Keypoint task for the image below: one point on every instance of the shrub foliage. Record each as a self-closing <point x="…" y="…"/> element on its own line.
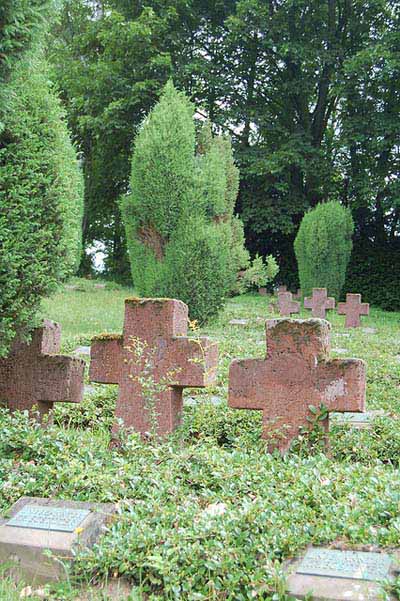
<point x="41" y="194"/>
<point x="323" y="247"/>
<point x="183" y="238"/>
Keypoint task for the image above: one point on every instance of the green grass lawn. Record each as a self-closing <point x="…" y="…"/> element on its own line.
<point x="166" y="542"/>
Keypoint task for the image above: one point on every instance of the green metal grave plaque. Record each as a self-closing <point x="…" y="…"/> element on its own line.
<point x="43" y="517"/>
<point x="355" y="565"/>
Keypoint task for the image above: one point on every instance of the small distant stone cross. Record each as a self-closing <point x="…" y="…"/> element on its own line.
<point x="353" y="308"/>
<point x="319" y="302"/>
<point x="286" y="305"/>
<point x="296" y="374"/>
<point x="34" y="374"/>
<point x="168" y="362"/>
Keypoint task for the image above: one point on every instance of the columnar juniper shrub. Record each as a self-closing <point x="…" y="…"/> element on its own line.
<point x="323" y="248"/>
<point x="41" y="192"/>
<point x="183" y="238"/>
<point x="20" y="23"/>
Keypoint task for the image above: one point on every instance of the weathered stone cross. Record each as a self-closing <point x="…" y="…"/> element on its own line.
<point x="287" y="305"/>
<point x="353" y="308"/>
<point x="296" y="374"/>
<point x="34" y="374"/>
<point x="319" y="302"/>
<point x="153" y="361"/>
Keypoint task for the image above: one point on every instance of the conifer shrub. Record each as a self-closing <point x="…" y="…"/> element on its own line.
<point x="41" y="199"/>
<point x="21" y="22"/>
<point x="323" y="248"/>
<point x="196" y="268"/>
<point x="183" y="238"/>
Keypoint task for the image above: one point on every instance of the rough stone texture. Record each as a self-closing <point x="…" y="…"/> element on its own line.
<point x="353" y="308"/>
<point x="35" y="375"/>
<point x="280" y="289"/>
<point x="296" y="373"/>
<point x="324" y="588"/>
<point x="319" y="302"/>
<point x="180" y="362"/>
<point x="286" y="305"/>
<point x="24" y="547"/>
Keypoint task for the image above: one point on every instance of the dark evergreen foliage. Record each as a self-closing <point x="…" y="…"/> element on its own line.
<point x="41" y="199"/>
<point x="323" y="247"/>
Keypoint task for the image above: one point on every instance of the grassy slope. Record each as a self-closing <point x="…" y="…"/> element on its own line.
<point x="165" y="540"/>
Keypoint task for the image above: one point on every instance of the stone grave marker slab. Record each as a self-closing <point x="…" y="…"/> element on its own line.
<point x="238" y="322"/>
<point x="356" y="420"/>
<point x="40" y="517"/>
<point x="89" y="390"/>
<point x="338" y="575"/>
<point x="356" y="565"/>
<point x="34" y="525"/>
<point x="82" y="350"/>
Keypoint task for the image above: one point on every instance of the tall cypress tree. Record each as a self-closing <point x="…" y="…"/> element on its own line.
<point x="41" y="198"/>
<point x="179" y="214"/>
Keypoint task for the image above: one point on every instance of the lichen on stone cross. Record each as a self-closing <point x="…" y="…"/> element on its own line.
<point x="319" y="302"/>
<point x="286" y="305"/>
<point x="296" y="374"/>
<point x="353" y="308"/>
<point x="153" y="357"/>
<point x="35" y="375"/>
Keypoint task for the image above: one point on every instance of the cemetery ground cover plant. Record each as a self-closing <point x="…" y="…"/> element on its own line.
<point x="208" y="513"/>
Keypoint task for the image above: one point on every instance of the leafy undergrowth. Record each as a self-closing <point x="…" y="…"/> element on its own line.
<point x="209" y="513"/>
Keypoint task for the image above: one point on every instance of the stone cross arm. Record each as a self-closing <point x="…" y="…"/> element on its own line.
<point x="106" y="359"/>
<point x="341" y="383"/>
<point x="59" y="379"/>
<point x="338" y="383"/>
<point x="190" y="362"/>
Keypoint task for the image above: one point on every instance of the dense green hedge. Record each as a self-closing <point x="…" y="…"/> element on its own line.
<point x="183" y="238"/>
<point x="41" y="198"/>
<point x="323" y="248"/>
<point x="374" y="272"/>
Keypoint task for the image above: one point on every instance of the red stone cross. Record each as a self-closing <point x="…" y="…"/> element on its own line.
<point x="287" y="305"/>
<point x="353" y="308"/>
<point x="319" y="302"/>
<point x="296" y="374"/>
<point x="153" y="353"/>
<point x="34" y="374"/>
